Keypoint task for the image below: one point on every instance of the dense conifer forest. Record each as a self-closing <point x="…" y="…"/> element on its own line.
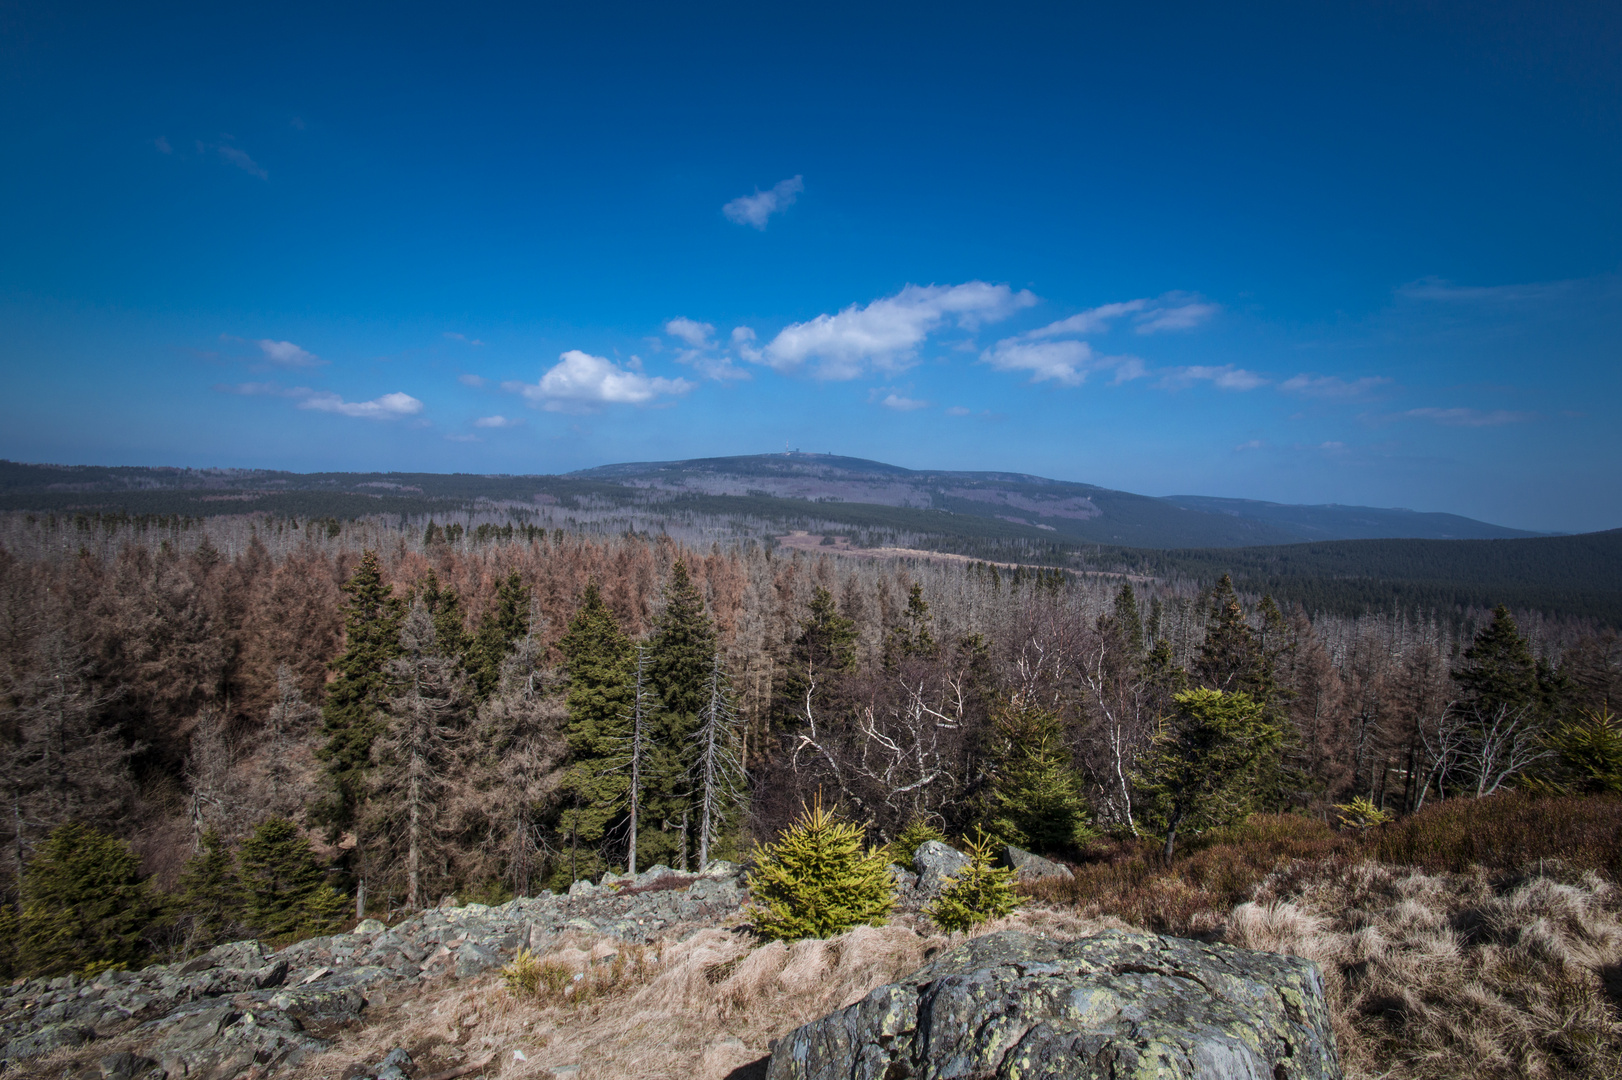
<point x="257" y="725"/>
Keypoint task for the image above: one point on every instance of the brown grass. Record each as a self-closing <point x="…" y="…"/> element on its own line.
<point x="1449" y="975"/>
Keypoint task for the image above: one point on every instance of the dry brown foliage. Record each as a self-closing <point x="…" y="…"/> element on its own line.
<point x="1448" y="975"/>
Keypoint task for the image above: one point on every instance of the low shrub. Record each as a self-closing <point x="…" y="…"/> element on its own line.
<point x="906" y="844"/>
<point x="817" y="880"/>
<point x="978" y="893"/>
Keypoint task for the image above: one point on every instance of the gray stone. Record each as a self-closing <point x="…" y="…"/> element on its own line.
<point x="720" y="868"/>
<point x="472" y="959"/>
<point x="43" y="1040"/>
<point x="124" y="1065"/>
<point x="582" y="887"/>
<point x="237" y="954"/>
<point x="936" y="862"/>
<point x="1028" y="867"/>
<point x="905" y="880"/>
<point x="1113" y="1006"/>
<point x="368" y="926"/>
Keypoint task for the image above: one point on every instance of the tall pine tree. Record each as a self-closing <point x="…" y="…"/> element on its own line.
<point x="680" y="657"/>
<point x="598" y="661"/>
<point x="499" y="633"/>
<point x="351" y="718"/>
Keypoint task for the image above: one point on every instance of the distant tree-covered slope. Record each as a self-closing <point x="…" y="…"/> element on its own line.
<point x="1568" y="575"/>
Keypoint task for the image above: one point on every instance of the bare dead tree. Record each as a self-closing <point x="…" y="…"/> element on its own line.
<point x="720" y="765"/>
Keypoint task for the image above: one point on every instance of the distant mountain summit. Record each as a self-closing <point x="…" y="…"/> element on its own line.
<point x="1073" y="511"/>
<point x="761" y="494"/>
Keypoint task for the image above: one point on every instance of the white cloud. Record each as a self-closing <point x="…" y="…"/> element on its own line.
<point x="163" y="146"/>
<point x="697" y="334"/>
<point x="241" y="160"/>
<point x="899" y="402"/>
<point x="388" y="407"/>
<point x="1253" y="444"/>
<point x="757" y="208"/>
<point x="886" y="333"/>
<point x="1064" y="362"/>
<point x="453" y="336"/>
<point x="580" y="381"/>
<point x="958" y="410"/>
<point x="719" y="368"/>
<point x="1470" y="417"/>
<point x="475" y="381"/>
<point x="258" y="389"/>
<point x="1226" y="377"/>
<point x="286" y="354"/>
<point x="1331" y="386"/>
<point x="497" y="422"/>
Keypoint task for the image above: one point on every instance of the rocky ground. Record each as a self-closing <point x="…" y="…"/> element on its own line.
<point x="243" y="1011"/>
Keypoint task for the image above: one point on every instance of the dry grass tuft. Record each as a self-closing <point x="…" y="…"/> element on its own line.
<point x="1447" y="975"/>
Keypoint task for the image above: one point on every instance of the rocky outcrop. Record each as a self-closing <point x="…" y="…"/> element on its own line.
<point x="1028" y="867"/>
<point x="1113" y="1006"/>
<point x="240" y="1005"/>
<point x="935" y="863"/>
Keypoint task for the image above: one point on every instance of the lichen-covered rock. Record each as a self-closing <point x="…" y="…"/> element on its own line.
<point x="44" y="1039"/>
<point x="936" y="862"/>
<point x="1028" y="867"/>
<point x="1114" y="1006"/>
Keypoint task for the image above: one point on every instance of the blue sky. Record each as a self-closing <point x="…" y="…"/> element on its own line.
<point x="1362" y="253"/>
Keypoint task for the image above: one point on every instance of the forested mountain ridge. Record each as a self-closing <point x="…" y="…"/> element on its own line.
<point x="743" y="494"/>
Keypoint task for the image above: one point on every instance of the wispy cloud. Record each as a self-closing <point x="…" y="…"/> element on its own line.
<point x="162" y="143"/>
<point x="1459" y="417"/>
<point x="1331" y="386"/>
<point x="1253" y="444"/>
<point x="497" y="422"/>
<point x="467" y="378"/>
<point x="462" y="437"/>
<point x="1172" y="311"/>
<point x="1225" y="377"/>
<point x="897" y="401"/>
<point x="702" y="353"/>
<point x="241" y="160"/>
<point x="286" y="354"/>
<point x="757" y="208"/>
<point x="1438" y="289"/>
<point x="886" y="333"/>
<point x="958" y="410"/>
<point x="451" y="335"/>
<point x="580" y="382"/>
<point x="388" y="407"/>
<point x="393" y="406"/>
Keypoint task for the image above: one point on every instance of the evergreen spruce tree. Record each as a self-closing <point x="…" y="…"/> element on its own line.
<point x="84" y="904"/>
<point x="351" y="717"/>
<point x="499" y="633"/>
<point x="912" y="637"/>
<point x="1035" y="799"/>
<point x="598" y="662"/>
<point x="1209" y="762"/>
<point x="681" y="657"/>
<point x="209" y="898"/>
<point x="818" y="880"/>
<point x="1128" y="622"/>
<point x="978" y="893"/>
<point x="1498" y="670"/>
<point x="824" y="650"/>
<point x="445" y="606"/>
<point x="284" y="887"/>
